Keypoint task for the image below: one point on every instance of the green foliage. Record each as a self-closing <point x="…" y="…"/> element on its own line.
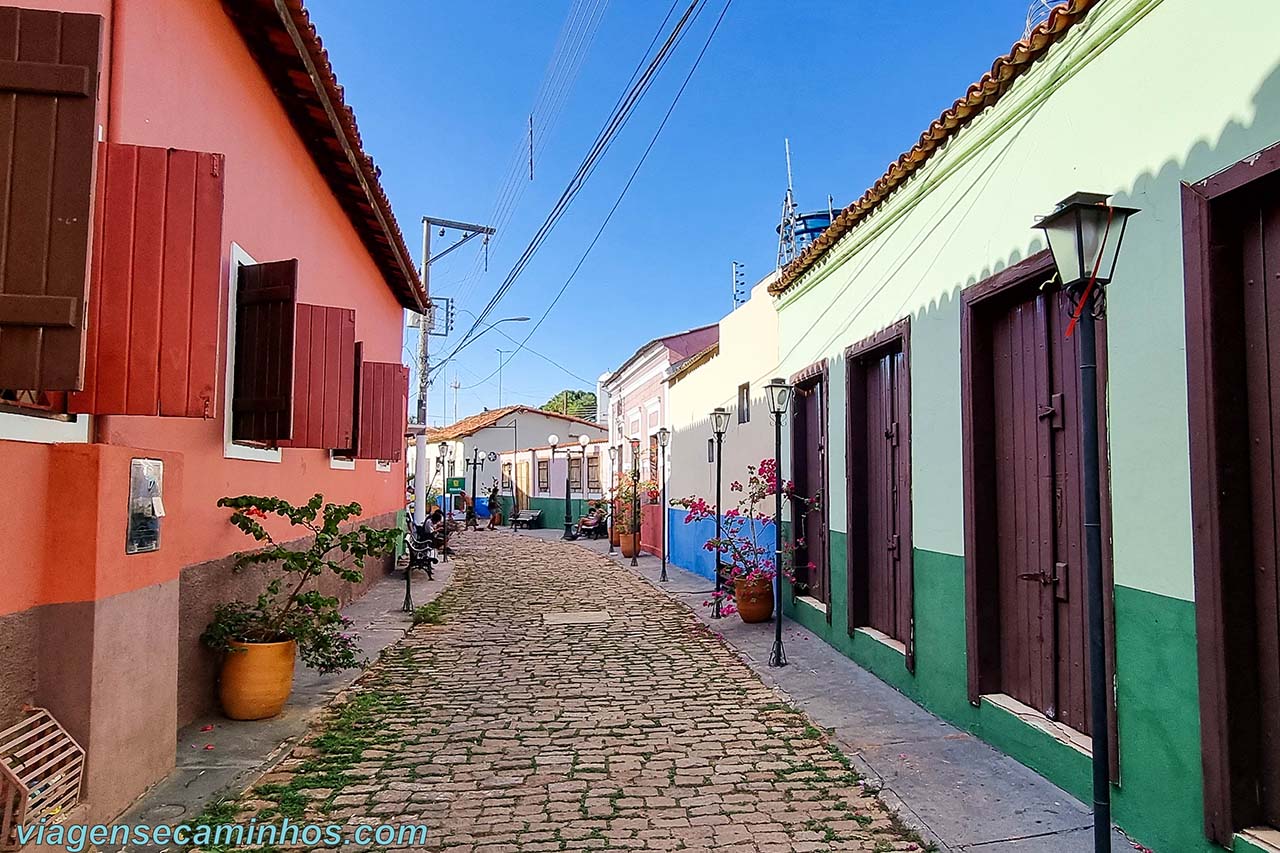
<point x="431" y="613"/>
<point x="580" y="403"/>
<point x="287" y="608"/>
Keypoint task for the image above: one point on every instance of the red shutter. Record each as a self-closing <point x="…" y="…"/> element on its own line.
<point x="48" y="90"/>
<point x="156" y="295"/>
<point x="324" y="378"/>
<point x="384" y="409"/>
<point x="262" y="400"/>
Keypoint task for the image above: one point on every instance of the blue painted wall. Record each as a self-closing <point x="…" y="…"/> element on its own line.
<point x="686" y="542"/>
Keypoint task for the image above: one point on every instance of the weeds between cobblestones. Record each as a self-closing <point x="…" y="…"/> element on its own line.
<point x="503" y="734"/>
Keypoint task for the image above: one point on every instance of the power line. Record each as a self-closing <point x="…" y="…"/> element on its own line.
<point x="653" y="141"/>
<point x="614" y="124"/>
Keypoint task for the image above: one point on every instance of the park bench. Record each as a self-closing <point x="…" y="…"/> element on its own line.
<point x="530" y="518"/>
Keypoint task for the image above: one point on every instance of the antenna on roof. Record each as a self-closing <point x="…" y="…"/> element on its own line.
<point x="787" y="249"/>
<point x="1037" y="14"/>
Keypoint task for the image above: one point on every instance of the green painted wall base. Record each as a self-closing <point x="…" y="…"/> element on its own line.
<point x="1159" y="800"/>
<point x="553" y="510"/>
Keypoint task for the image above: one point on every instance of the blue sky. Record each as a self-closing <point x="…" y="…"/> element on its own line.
<point x="443" y="92"/>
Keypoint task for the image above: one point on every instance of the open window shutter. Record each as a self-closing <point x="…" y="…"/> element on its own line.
<point x="262" y="398"/>
<point x="156" y="294"/>
<point x="324" y="378"/>
<point x="48" y="90"/>
<point x="383" y="396"/>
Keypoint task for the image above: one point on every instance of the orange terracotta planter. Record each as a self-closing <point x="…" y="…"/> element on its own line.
<point x="754" y="599"/>
<point x="615" y="536"/>
<point x="256" y="679"/>
<point x="629" y="543"/>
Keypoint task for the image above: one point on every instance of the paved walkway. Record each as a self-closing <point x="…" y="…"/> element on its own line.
<point x="959" y="792"/>
<point x="564" y="703"/>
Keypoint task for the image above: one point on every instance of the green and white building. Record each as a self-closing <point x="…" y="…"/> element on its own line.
<point x="938" y="413"/>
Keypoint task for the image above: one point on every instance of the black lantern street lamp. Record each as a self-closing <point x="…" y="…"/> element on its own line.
<point x="613" y="494"/>
<point x="1084" y="234"/>
<point x="719" y="426"/>
<point x="635" y="500"/>
<point x="778" y="393"/>
<point x="443" y="458"/>
<point x="554" y="440"/>
<point x="664" y="436"/>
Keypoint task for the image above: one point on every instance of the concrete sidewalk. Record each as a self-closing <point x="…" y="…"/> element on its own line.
<point x="956" y="790"/>
<point x="241" y="751"/>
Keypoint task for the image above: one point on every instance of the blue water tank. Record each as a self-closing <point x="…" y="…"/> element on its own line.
<point x="810" y="226"/>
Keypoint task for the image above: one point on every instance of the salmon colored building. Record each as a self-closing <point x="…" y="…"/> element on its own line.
<point x="202" y="289"/>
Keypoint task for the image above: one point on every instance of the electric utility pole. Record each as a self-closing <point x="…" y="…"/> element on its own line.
<point x="426" y="328"/>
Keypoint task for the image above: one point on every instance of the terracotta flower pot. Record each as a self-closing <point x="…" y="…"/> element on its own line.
<point x="629" y="543"/>
<point x="754" y="599"/>
<point x="256" y="679"/>
<point x="615" y="536"/>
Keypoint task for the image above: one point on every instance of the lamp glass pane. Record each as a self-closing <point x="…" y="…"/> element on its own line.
<point x="1061" y="235"/>
<point x="720" y="421"/>
<point x="664" y="436"/>
<point x="584" y="440"/>
<point x="553" y="439"/>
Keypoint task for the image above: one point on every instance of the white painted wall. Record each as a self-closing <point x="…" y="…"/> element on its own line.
<point x="748" y="354"/>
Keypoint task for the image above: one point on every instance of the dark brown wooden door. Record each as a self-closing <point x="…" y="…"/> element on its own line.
<point x="1039" y="530"/>
<point x="48" y="94"/>
<point x="810" y="461"/>
<point x="880" y="585"/>
<point x="1260" y="244"/>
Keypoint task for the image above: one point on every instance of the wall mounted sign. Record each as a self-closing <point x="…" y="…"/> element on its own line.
<point x="146" y="506"/>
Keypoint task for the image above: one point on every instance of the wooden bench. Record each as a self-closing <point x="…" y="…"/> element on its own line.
<point x="530" y="518"/>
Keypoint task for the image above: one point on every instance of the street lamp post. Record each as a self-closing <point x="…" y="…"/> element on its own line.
<point x="1084" y="234"/>
<point x="443" y="459"/>
<point x="613" y="494"/>
<point x="719" y="426"/>
<point x="779" y="396"/>
<point x="554" y="440"/>
<point x="664" y="436"/>
<point x="635" y="501"/>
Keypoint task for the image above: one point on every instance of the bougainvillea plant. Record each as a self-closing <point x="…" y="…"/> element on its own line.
<point x="743" y="556"/>
<point x="289" y="607"/>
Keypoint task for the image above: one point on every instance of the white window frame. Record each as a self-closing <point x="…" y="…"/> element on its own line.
<point x="44" y="430"/>
<point x="230" y="449"/>
<point x="381" y="465"/>
<point x="338" y="462"/>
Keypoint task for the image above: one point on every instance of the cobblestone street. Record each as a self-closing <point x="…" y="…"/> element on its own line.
<point x="528" y="720"/>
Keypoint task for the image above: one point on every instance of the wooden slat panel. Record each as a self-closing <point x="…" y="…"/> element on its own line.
<point x="262" y="399"/>
<point x="46" y="175"/>
<point x="383" y="395"/>
<point x="324" y="361"/>
<point x="156" y="300"/>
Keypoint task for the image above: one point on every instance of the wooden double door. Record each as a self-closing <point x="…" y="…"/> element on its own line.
<point x="1028" y="597"/>
<point x="880" y="580"/>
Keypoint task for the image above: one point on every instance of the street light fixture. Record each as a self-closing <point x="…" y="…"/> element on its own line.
<point x="778" y="393"/>
<point x="554" y="440"/>
<point x="613" y="492"/>
<point x="1084" y="234"/>
<point x="719" y="426"/>
<point x="635" y="500"/>
<point x="664" y="436"/>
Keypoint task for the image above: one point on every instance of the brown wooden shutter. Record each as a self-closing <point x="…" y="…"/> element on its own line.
<point x="324" y="378"/>
<point x="262" y="399"/>
<point x="384" y="408"/>
<point x="156" y="296"/>
<point x="48" y="90"/>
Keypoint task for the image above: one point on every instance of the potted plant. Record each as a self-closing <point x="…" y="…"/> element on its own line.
<point x="260" y="640"/>
<point x="748" y="564"/>
<point x="626" y="518"/>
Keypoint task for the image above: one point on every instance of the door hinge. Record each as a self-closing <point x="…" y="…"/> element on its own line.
<point x="1060" y="581"/>
<point x="892" y="434"/>
<point x="893" y="544"/>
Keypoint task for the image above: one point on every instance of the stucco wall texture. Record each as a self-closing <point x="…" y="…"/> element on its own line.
<point x="1115" y="107"/>
<point x="105" y="639"/>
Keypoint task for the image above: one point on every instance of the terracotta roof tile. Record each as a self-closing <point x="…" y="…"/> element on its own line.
<point x="980" y="95"/>
<point x="473" y="424"/>
<point x="283" y="41"/>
